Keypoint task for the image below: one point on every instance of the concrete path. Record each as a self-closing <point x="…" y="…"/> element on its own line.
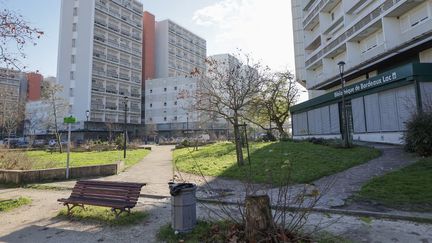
<point x="155" y="170"/>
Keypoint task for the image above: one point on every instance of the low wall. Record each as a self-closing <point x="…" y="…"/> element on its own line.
<point x="30" y="176"/>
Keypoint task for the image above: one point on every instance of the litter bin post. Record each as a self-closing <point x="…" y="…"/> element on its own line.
<point x="183" y="206"/>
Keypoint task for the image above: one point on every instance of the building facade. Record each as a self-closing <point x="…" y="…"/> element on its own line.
<point x="386" y="46"/>
<point x="178" y="51"/>
<point x="100" y="60"/>
<point x="171" y="54"/>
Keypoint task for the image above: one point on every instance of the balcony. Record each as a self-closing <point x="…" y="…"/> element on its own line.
<point x="367" y="21"/>
<point x="112" y="74"/>
<point x="124" y="76"/>
<point x="101" y="22"/>
<point x="97" y="106"/>
<point x="136" y="95"/>
<point x="113" y="27"/>
<point x="99" y="37"/>
<point x="98" y="87"/>
<point x="111" y="106"/>
<point x="99" y="54"/>
<point x="99" y="71"/>
<point x="101" y="7"/>
<point x="125" y="47"/>
<point x="124" y="62"/>
<point x="111" y="89"/>
<point x="136" y="79"/>
<point x="113" y="43"/>
<point x="124" y="92"/>
<point x="125" y="32"/>
<point x="112" y="58"/>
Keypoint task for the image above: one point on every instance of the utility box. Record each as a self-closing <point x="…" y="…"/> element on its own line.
<point x="183" y="206"/>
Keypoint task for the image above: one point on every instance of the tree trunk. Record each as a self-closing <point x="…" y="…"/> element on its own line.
<point x="259" y="219"/>
<point x="281" y="130"/>
<point x="238" y="145"/>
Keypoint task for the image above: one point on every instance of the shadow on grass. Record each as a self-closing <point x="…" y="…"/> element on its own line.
<point x="271" y="162"/>
<point x="103" y="215"/>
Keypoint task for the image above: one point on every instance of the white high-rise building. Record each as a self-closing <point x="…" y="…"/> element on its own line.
<point x="383" y="48"/>
<point x="178" y="51"/>
<point x="100" y="59"/>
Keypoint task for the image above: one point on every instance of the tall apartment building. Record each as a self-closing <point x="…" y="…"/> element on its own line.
<point x="100" y="59"/>
<point x="178" y="51"/>
<point x="386" y="46"/>
<point x="172" y="53"/>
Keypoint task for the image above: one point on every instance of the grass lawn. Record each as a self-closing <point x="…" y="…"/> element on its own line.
<point x="410" y="187"/>
<point x="9" y="204"/>
<point x="104" y="215"/>
<point x="271" y="162"/>
<point x="43" y="160"/>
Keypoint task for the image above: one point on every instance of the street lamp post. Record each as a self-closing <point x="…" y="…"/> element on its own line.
<point x="125" y="126"/>
<point x="187" y="124"/>
<point x="341" y="65"/>
<point x="86" y="124"/>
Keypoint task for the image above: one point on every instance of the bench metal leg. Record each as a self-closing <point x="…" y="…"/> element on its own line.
<point x="117" y="212"/>
<point x="69" y="213"/>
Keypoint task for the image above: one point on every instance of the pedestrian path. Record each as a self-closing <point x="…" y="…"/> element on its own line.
<point x="155" y="170"/>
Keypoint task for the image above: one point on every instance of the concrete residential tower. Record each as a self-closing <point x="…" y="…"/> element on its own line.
<point x="169" y="87"/>
<point x="100" y="59"/>
<point x="386" y="49"/>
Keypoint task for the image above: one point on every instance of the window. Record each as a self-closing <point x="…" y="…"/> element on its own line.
<point x="175" y="102"/>
<point x="151" y="91"/>
<point x="175" y="88"/>
<point x="71" y="92"/>
<point x="75" y="11"/>
<point x="165" y="89"/>
<point x="73" y="59"/>
<point x="175" y="118"/>
<point x="150" y="119"/>
<point x="151" y="105"/>
<point x="165" y="118"/>
<point x="165" y="103"/>
<point x="72" y="75"/>
<point x="73" y="42"/>
<point x="74" y="27"/>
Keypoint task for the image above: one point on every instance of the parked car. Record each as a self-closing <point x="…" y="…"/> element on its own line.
<point x="38" y="143"/>
<point x="22" y="144"/>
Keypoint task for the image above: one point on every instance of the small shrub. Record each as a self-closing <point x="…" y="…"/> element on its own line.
<point x="14" y="160"/>
<point x="119" y="140"/>
<point x="418" y="136"/>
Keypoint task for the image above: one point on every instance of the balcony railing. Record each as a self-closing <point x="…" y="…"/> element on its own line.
<point x="368" y="19"/>
<point x="99" y="54"/>
<point x="112" y="58"/>
<point x="102" y="7"/>
<point x="124" y="76"/>
<point x="112" y="74"/>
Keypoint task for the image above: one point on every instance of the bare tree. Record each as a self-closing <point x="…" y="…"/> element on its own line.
<point x="12" y="113"/>
<point x="274" y="102"/>
<point x="57" y="108"/>
<point x="228" y="89"/>
<point x="15" y="33"/>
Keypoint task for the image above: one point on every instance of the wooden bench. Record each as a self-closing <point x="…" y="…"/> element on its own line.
<point x="120" y="196"/>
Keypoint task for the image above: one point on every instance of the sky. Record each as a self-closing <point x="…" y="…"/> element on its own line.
<point x="260" y="28"/>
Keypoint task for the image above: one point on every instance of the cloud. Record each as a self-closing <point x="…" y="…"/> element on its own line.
<point x="262" y="28"/>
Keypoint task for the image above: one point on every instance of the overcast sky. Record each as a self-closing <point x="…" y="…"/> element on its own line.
<point x="261" y="28"/>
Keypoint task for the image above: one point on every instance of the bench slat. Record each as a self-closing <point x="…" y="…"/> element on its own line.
<point x="105" y="193"/>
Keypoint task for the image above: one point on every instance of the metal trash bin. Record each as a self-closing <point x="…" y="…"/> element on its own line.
<point x="183" y="206"/>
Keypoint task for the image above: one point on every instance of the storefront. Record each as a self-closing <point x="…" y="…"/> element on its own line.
<point x="377" y="108"/>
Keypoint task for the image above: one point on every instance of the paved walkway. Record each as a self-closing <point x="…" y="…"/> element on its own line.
<point x="155" y="170"/>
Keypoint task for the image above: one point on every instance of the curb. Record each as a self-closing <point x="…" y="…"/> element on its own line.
<point x="357" y="213"/>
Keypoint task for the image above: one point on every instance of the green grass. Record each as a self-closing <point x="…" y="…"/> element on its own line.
<point x="272" y="162"/>
<point x="9" y="204"/>
<point x="104" y="215"/>
<point x="410" y="187"/>
<point x="44" y="160"/>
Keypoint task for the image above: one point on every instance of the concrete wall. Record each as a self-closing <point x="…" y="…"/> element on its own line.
<point x="30" y="176"/>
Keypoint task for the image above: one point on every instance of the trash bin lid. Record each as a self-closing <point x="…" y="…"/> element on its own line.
<point x="176" y="188"/>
